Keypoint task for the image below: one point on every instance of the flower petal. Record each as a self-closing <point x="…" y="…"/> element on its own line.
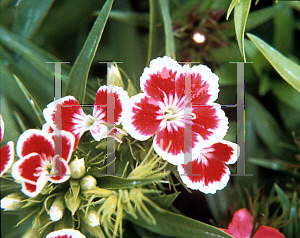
<point x="73" y="118"/>
<point x="1" y="128"/>
<point x="98" y="131"/>
<point x="35" y="141"/>
<point x="208" y="173"/>
<point x="210" y="123"/>
<point x="170" y="143"/>
<point x="31" y="171"/>
<point x="6" y="157"/>
<point x="61" y="170"/>
<point x="100" y="107"/>
<point x="67" y="144"/>
<point x="160" y="77"/>
<point x="140" y="117"/>
<point x="265" y="231"/>
<point x="241" y="225"/>
<point x="65" y="233"/>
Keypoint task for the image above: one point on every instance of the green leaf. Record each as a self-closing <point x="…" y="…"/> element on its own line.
<point x="79" y="73"/>
<point x="165" y="201"/>
<point x="169" y="37"/>
<point x="175" y="225"/>
<point x="287" y="94"/>
<point x="31" y="101"/>
<point x="294" y="225"/>
<point x="231" y="6"/>
<point x="266" y="126"/>
<point x="241" y="12"/>
<point x="29" y="17"/>
<point x="113" y="182"/>
<point x="288" y="70"/>
<point x="273" y="164"/>
<point x="284" y="201"/>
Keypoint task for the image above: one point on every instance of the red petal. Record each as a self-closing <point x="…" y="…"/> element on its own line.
<point x="265" y="231"/>
<point x="160" y="78"/>
<point x="1" y="128"/>
<point x="210" y="123"/>
<point x="61" y="170"/>
<point x="100" y="107"/>
<point x="66" y="140"/>
<point x="241" y="225"/>
<point x="206" y="173"/>
<point x="170" y="144"/>
<point x="6" y="157"/>
<point x="73" y="119"/>
<point x="65" y="233"/>
<point x="35" y="141"/>
<point x="98" y="131"/>
<point x="141" y="117"/>
<point x="225" y="151"/>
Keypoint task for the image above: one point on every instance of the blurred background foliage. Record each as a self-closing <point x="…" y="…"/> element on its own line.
<point x="266" y="33"/>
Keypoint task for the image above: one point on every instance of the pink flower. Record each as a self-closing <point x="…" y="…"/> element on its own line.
<point x="6" y="152"/>
<point x="66" y="233"/>
<point x="73" y="118"/>
<point x="38" y="161"/>
<point x="164" y="110"/>
<point x="208" y="172"/>
<point x="242" y="224"/>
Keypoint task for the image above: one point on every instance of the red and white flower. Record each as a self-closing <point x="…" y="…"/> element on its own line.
<point x="6" y="152"/>
<point x="73" y="118"/>
<point x="65" y="233"/>
<point x="209" y="172"/>
<point x="40" y="162"/>
<point x="164" y="108"/>
<point x="242" y="224"/>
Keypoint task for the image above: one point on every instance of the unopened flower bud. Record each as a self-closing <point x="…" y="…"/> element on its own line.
<point x="13" y="202"/>
<point x="113" y="75"/>
<point x="57" y="208"/>
<point x="77" y="167"/>
<point x="92" y="218"/>
<point x="88" y="182"/>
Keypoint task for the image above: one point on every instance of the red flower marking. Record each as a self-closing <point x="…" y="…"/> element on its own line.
<point x="73" y="118"/>
<point x="242" y="224"/>
<point x="38" y="160"/>
<point x="164" y="108"/>
<point x="66" y="233"/>
<point x="6" y="152"/>
<point x="208" y="172"/>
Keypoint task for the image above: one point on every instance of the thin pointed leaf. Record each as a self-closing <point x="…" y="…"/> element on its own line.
<point x="288" y="70"/>
<point x="129" y="17"/>
<point x="169" y="37"/>
<point x="31" y="101"/>
<point x="29" y="17"/>
<point x="284" y="201"/>
<point x="241" y="12"/>
<point x="165" y="201"/>
<point x="175" y="225"/>
<point x="79" y="73"/>
<point x="231" y="6"/>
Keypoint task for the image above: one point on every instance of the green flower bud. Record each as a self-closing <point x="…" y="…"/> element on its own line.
<point x="57" y="209"/>
<point x="13" y="202"/>
<point x="88" y="182"/>
<point x="91" y="218"/>
<point x="77" y="167"/>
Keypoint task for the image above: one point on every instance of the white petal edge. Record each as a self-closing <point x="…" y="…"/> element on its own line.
<point x="27" y="134"/>
<point x="11" y="157"/>
<point x="69" y="232"/>
<point x="211" y="188"/>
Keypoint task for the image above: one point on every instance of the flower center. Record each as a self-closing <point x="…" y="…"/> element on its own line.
<point x="172" y="114"/>
<point x="89" y="121"/>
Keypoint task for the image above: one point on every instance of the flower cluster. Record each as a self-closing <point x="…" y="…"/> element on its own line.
<point x="176" y="112"/>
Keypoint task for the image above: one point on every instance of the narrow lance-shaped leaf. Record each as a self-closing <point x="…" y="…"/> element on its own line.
<point x="169" y="37"/>
<point x="241" y="12"/>
<point x="288" y="70"/>
<point x="79" y="73"/>
<point x="231" y="6"/>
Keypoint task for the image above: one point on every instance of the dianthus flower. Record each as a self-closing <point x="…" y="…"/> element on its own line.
<point x="65" y="233"/>
<point x="38" y="161"/>
<point x="6" y="152"/>
<point x="242" y="224"/>
<point x="73" y="118"/>
<point x="208" y="172"/>
<point x="164" y="110"/>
